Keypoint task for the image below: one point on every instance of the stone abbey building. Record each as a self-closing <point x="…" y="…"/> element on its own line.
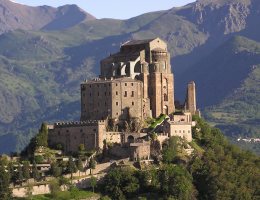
<point x="138" y="82"/>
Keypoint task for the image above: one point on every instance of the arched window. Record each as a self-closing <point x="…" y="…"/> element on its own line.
<point x="137" y="68"/>
<point x="165" y="97"/>
<point x="130" y="139"/>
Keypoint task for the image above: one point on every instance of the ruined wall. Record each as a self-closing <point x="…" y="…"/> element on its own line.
<point x="140" y="151"/>
<point x="113" y="137"/>
<point x="36" y="190"/>
<point x="185" y="117"/>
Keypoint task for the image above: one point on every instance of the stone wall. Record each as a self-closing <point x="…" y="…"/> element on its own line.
<point x="84" y="182"/>
<point x="190" y="103"/>
<point x="140" y="151"/>
<point x="114" y="98"/>
<point x="71" y="134"/>
<point x="185" y="117"/>
<point x="180" y="129"/>
<point x="162" y="137"/>
<point x="36" y="190"/>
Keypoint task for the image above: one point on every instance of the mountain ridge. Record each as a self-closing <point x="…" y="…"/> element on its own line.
<point x="17" y="16"/>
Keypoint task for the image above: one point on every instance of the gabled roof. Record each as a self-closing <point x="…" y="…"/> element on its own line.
<point x="136" y="42"/>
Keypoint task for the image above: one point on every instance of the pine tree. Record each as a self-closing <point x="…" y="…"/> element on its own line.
<point x="19" y="174"/>
<point x="92" y="165"/>
<point x="5" y="192"/>
<point x="55" y="170"/>
<point x="71" y="167"/>
<point x="35" y="172"/>
<point x="80" y="166"/>
<point x="26" y="170"/>
<point x="93" y="183"/>
<point x="11" y="171"/>
<point x="42" y="137"/>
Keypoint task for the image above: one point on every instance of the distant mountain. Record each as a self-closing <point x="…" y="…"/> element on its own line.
<point x="214" y="42"/>
<point x="16" y="16"/>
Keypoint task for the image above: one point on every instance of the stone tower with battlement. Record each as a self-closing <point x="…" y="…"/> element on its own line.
<point x="190" y="102"/>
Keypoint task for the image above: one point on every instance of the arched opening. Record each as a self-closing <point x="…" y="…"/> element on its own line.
<point x="138" y="67"/>
<point x="165" y="97"/>
<point x="118" y="71"/>
<point x="127" y="69"/>
<point x="123" y="70"/>
<point x="130" y="139"/>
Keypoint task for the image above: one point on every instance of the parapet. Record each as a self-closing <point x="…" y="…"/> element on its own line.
<point x="79" y="123"/>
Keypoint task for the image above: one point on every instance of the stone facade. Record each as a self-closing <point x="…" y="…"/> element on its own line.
<point x="71" y="134"/>
<point x="180" y="129"/>
<point x="137" y="80"/>
<point x="180" y="124"/>
<point x="90" y="133"/>
<point x="115" y="98"/>
<point x="190" y="103"/>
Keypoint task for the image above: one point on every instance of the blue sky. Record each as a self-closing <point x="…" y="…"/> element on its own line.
<point x="119" y="9"/>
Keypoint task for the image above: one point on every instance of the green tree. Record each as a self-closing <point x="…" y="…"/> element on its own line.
<point x="176" y="182"/>
<point x="74" y="193"/>
<point x="12" y="172"/>
<point x="26" y="170"/>
<point x="121" y="182"/>
<point x="80" y="166"/>
<point x="19" y="174"/>
<point x="71" y="167"/>
<point x="42" y="137"/>
<point x="5" y="192"/>
<point x="81" y="147"/>
<point x="92" y="164"/>
<point x="93" y="183"/>
<point x="54" y="188"/>
<point x="35" y="172"/>
<point x="170" y="151"/>
<point x="56" y="171"/>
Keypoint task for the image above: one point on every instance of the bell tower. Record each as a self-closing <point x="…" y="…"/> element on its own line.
<point x="161" y="87"/>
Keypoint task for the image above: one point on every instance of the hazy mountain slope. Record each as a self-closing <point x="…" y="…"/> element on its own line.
<point x="229" y="79"/>
<point x="220" y="73"/>
<point x="16" y="16"/>
<point x="242" y="105"/>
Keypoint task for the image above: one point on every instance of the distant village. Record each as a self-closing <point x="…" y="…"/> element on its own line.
<point x="123" y="112"/>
